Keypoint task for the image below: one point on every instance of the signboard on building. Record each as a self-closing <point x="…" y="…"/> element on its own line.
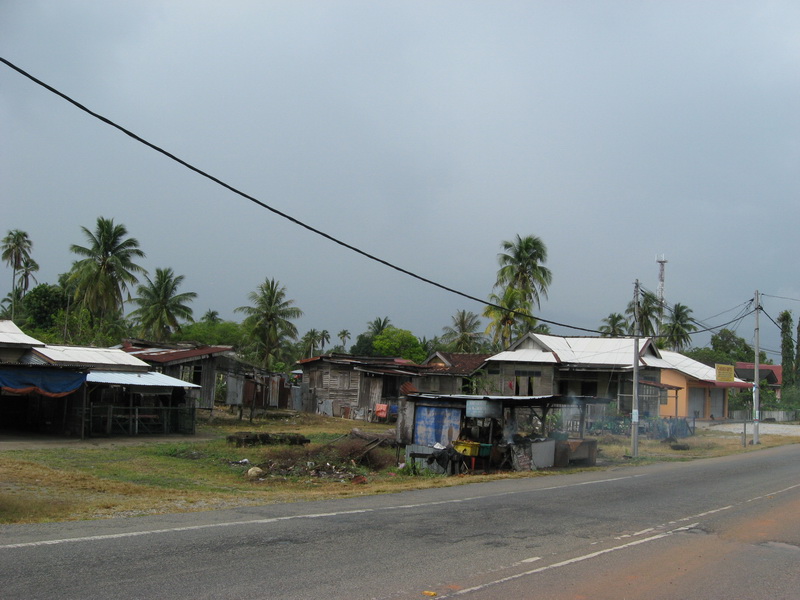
<point x="724" y="373"/>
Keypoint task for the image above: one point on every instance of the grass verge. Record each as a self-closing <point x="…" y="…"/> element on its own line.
<point x="75" y="483"/>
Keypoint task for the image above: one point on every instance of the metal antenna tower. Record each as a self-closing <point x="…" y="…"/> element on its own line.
<point x="660" y="291"/>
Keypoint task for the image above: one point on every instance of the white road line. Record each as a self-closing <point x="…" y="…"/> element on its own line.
<point x="111" y="536"/>
<point x="571" y="561"/>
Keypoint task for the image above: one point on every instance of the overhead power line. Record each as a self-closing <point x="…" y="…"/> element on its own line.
<point x="298" y="222"/>
<point x="274" y="210"/>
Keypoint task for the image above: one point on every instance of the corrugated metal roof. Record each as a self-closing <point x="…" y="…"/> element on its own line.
<point x="167" y="355"/>
<point x="149" y="379"/>
<point x="693" y="368"/>
<point x="531" y="355"/>
<point x="11" y="335"/>
<point x="97" y="358"/>
<point x="586" y="351"/>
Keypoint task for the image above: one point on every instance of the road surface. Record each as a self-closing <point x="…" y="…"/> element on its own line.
<point x="724" y="528"/>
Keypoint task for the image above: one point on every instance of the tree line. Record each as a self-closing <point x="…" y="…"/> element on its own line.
<point x="86" y="307"/>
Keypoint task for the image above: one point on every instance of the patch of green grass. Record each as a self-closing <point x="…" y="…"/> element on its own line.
<point x="24" y="507"/>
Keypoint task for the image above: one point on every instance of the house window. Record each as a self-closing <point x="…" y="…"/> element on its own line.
<point x="525" y="381"/>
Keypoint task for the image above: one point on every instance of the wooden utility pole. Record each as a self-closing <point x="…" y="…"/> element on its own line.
<point x="635" y="396"/>
<point x="756" y="377"/>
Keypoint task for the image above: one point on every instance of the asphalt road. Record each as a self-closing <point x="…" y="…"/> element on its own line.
<point x="719" y="528"/>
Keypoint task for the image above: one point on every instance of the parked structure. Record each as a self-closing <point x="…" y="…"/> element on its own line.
<point x="347" y="386"/>
<point x="451" y="373"/>
<point x="86" y="391"/>
<point x="188" y="361"/>
<point x="692" y="390"/>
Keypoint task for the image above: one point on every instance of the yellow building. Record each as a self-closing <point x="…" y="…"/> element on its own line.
<point x="691" y="389"/>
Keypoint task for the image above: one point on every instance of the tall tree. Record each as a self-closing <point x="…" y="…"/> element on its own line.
<point x="161" y="306"/>
<point x="211" y="316"/>
<point x="797" y="355"/>
<point x="343" y="336"/>
<point x="614" y="325"/>
<point x="522" y="268"/>
<point x="324" y="338"/>
<point x="377" y="325"/>
<point x="508" y="316"/>
<point x="16" y="246"/>
<point x="102" y="277"/>
<point x="786" y="323"/>
<point x="463" y="334"/>
<point x="26" y="273"/>
<point x="399" y="342"/>
<point x="309" y="343"/>
<point x="679" y="327"/>
<point x="648" y="314"/>
<point x="269" y="318"/>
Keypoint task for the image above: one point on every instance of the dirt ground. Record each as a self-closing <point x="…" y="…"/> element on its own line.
<point x="763" y="428"/>
<point x="32" y="441"/>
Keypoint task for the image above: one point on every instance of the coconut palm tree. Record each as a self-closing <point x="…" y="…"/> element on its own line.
<point x="679" y="327"/>
<point x="377" y="325"/>
<point x="508" y="315"/>
<point x="102" y="277"/>
<point x="522" y="268"/>
<point x="648" y="314"/>
<point x="324" y="338"/>
<point x="211" y="316"/>
<point x="270" y="318"/>
<point x="26" y="273"/>
<point x="309" y="342"/>
<point x="614" y="325"/>
<point x="344" y="336"/>
<point x="16" y="247"/>
<point x="463" y="335"/>
<point x="160" y="305"/>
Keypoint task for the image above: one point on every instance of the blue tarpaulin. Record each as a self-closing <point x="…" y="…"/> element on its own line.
<point x="48" y="382"/>
<point x="433" y="424"/>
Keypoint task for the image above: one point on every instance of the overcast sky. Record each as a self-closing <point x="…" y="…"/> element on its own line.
<point x="424" y="133"/>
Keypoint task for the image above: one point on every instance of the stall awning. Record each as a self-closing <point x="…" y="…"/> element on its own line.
<point x="47" y="382"/>
<point x="152" y="380"/>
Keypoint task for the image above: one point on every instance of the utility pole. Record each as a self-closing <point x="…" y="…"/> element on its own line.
<point x="635" y="396"/>
<point x="756" y="377"/>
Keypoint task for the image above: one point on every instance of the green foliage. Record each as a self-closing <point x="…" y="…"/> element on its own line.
<point x="614" y="325"/>
<point x="75" y="326"/>
<point x="216" y="333"/>
<point x="522" y="268"/>
<point x="790" y="398"/>
<point x="16" y="249"/>
<point x="679" y="327"/>
<point x="399" y="342"/>
<point x="464" y="334"/>
<point x="161" y="306"/>
<point x="727" y="348"/>
<point x="647" y="307"/>
<point x="106" y="270"/>
<point x="42" y="304"/>
<point x="364" y="345"/>
<point x="509" y="317"/>
<point x="269" y="320"/>
<point x="787" y="348"/>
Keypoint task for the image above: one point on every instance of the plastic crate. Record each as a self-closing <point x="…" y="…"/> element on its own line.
<point x="467" y="448"/>
<point x="486" y="450"/>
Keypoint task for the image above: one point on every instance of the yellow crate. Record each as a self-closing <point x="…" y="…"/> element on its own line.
<point x="467" y="448"/>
